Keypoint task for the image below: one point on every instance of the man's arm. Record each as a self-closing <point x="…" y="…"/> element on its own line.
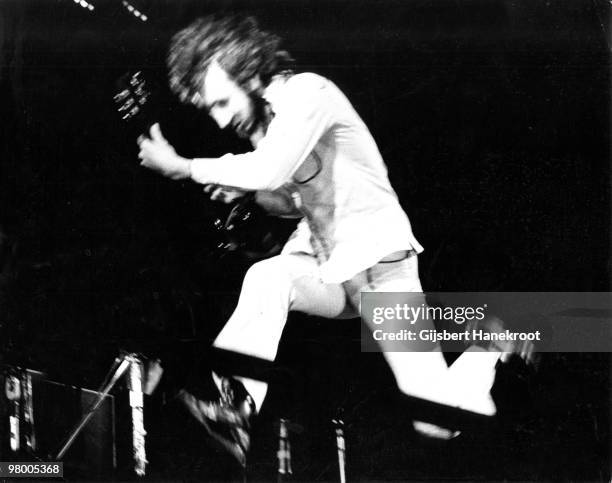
<point x="277" y="203"/>
<point x="304" y="116"/>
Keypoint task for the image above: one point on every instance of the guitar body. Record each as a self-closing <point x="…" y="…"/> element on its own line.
<point x="247" y="230"/>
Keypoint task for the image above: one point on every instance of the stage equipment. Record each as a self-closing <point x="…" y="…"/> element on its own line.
<point x="125" y="362"/>
<point x="35" y="412"/>
<point x="341" y="447"/>
<point x="85" y="4"/>
<point x="284" y="451"/>
<point x="134" y="11"/>
<point x="18" y="391"/>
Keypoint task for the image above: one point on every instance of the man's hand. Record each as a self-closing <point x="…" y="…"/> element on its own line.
<point x="157" y="154"/>
<point x="224" y="194"/>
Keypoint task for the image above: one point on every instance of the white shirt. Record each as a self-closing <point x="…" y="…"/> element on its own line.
<point x="318" y="147"/>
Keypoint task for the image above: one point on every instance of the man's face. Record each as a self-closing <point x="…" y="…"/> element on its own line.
<point x="228" y="103"/>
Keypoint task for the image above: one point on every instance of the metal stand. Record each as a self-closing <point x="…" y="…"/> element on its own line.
<point x="341" y="446"/>
<point x="284" y="451"/>
<point x="18" y="390"/>
<point x="121" y="365"/>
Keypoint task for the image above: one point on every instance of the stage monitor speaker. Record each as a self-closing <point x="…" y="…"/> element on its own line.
<point x="57" y="409"/>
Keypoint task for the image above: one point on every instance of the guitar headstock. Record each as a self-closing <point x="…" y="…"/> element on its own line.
<point x="132" y="95"/>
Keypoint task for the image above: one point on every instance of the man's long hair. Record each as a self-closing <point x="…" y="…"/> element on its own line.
<point x="236" y="43"/>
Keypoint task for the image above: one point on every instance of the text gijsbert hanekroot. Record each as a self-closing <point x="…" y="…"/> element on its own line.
<point x="411" y="315"/>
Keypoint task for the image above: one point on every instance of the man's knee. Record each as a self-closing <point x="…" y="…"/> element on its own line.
<point x="267" y="272"/>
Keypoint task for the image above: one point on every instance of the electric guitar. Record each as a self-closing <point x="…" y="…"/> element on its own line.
<point x="246" y="229"/>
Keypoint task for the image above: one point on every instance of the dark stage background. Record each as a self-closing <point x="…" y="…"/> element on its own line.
<point x="493" y="117"/>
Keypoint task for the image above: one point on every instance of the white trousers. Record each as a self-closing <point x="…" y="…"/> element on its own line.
<point x="274" y="287"/>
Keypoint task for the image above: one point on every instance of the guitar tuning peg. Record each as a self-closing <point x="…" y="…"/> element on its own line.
<point x="121" y="95"/>
<point x="142" y="95"/>
<point x="126" y="105"/>
<point x="136" y="79"/>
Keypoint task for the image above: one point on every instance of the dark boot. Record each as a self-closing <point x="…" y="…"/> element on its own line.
<point x="233" y="414"/>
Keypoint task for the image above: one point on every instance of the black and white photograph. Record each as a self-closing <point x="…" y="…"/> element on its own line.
<point x="305" y="240"/>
